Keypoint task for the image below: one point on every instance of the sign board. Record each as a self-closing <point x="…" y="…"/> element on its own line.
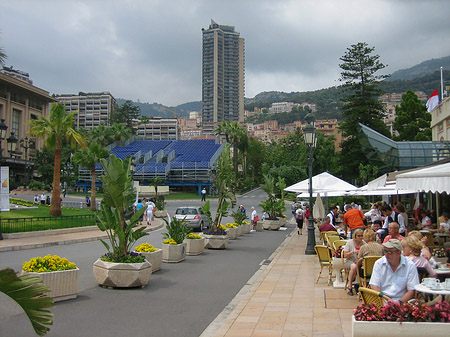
<point x="4" y="193"/>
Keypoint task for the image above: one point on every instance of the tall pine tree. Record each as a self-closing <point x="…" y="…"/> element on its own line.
<point x="360" y="104"/>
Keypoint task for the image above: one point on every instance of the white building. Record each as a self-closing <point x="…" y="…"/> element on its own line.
<point x="440" y="122"/>
<point x="158" y="128"/>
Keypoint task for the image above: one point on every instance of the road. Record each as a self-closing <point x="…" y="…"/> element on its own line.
<point x="180" y="300"/>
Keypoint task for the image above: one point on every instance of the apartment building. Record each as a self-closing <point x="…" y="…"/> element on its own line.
<point x="21" y="102"/>
<point x="92" y="109"/>
<point x="222" y="75"/>
<point x="21" y="75"/>
<point x="158" y="128"/>
<point x="330" y="127"/>
<point x="440" y="122"/>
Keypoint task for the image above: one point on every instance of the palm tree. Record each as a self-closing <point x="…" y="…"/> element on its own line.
<point x="223" y="128"/>
<point x="101" y="134"/>
<point x="236" y="131"/>
<point x="120" y="132"/>
<point x="89" y="157"/>
<point x="58" y="126"/>
<point x="29" y="292"/>
<point x="3" y="57"/>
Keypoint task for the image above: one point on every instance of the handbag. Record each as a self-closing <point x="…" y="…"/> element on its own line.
<point x="256" y="218"/>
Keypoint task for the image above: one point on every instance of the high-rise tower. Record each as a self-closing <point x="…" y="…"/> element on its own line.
<point x="223" y="75"/>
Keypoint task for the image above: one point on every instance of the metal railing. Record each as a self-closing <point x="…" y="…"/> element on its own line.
<point x="18" y="225"/>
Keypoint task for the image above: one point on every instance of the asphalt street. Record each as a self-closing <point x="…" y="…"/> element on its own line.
<point x="180" y="300"/>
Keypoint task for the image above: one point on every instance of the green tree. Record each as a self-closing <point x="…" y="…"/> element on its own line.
<point x="256" y="155"/>
<point x="102" y="134"/>
<point x="223" y="128"/>
<point x="413" y="120"/>
<point x="360" y="104"/>
<point x="88" y="157"/>
<point x="120" y="132"/>
<point x="367" y="173"/>
<point x="325" y="156"/>
<point x="58" y="126"/>
<point x="237" y="132"/>
<point x="125" y="114"/>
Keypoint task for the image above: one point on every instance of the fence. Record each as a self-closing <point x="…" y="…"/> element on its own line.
<point x="18" y="225"/>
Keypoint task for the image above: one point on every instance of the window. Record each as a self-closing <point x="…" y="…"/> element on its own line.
<point x="16" y="122"/>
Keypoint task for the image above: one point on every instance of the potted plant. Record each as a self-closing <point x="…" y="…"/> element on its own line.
<point x="174" y="247"/>
<point x="57" y="273"/>
<point x="232" y="231"/>
<point x="216" y="238"/>
<point x="272" y="206"/>
<point x="120" y="267"/>
<point x="413" y="318"/>
<point x="239" y="219"/>
<point x="160" y="205"/>
<point x="152" y="254"/>
<point x="195" y="244"/>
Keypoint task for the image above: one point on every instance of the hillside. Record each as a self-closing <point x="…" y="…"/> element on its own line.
<point x="422" y="69"/>
<point x="422" y="77"/>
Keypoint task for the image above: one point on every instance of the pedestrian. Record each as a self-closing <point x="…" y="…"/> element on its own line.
<point x="48" y="200"/>
<point x="203" y="194"/>
<point x="149" y="211"/>
<point x="64" y="193"/>
<point x="242" y="209"/>
<point x="36" y="199"/>
<point x="299" y="215"/>
<point x="88" y="201"/>
<point x="42" y="198"/>
<point x="254" y="219"/>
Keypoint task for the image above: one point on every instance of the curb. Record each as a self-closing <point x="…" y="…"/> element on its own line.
<point x="65" y="242"/>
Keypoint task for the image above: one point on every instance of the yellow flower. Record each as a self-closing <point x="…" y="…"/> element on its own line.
<point x="145" y="248"/>
<point x="193" y="236"/>
<point x="169" y="242"/>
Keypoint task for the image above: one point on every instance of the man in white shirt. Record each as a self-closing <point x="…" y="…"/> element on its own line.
<point x="392" y="216"/>
<point x="394" y="275"/>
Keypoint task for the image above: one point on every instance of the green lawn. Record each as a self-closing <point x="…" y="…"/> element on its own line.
<point x="185" y="196"/>
<point x="42" y="211"/>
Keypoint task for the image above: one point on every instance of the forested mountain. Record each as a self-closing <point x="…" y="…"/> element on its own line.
<point x="422" y="77"/>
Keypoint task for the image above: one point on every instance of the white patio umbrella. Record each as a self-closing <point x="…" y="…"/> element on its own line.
<point x="318" y="209"/>
<point x="322" y="183"/>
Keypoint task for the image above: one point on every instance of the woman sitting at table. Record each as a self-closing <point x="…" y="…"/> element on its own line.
<point x="444" y="223"/>
<point x="426" y="222"/>
<point x="371" y="248"/>
<point x="350" y="252"/>
<point x="412" y="248"/>
<point x="426" y="253"/>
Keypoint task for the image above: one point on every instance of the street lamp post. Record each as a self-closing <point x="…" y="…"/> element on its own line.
<point x="26" y="143"/>
<point x="310" y="136"/>
<point x="12" y="144"/>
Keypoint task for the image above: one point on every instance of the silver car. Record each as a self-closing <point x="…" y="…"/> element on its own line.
<point x="193" y="217"/>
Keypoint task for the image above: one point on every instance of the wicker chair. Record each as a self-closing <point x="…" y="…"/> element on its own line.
<point x="337" y="244"/>
<point x="331" y="238"/>
<point x="367" y="266"/>
<point x="323" y="237"/>
<point x="325" y="260"/>
<point x="372" y="296"/>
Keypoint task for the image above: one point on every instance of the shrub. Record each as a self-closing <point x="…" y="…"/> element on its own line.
<point x="176" y="230"/>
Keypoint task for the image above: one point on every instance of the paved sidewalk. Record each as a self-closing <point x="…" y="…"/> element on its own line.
<point x="58" y="237"/>
<point x="282" y="299"/>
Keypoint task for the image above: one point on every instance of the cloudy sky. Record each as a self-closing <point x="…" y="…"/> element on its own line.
<point x="151" y="49"/>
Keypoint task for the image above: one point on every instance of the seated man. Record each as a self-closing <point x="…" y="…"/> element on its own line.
<point x="327" y="226"/>
<point x="393" y="232"/>
<point x="394" y="275"/>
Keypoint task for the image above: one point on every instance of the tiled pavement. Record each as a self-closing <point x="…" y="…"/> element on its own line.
<point x="283" y="300"/>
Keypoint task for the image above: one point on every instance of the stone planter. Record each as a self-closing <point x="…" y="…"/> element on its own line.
<point x="393" y="329"/>
<point x="259" y="226"/>
<point x="122" y="275"/>
<point x="174" y="253"/>
<point x="216" y="241"/>
<point x="155" y="259"/>
<point x="282" y="221"/>
<point x="160" y="214"/>
<point x="272" y="225"/>
<point x="63" y="284"/>
<point x="232" y="233"/>
<point x="239" y="231"/>
<point x="246" y="228"/>
<point x="194" y="246"/>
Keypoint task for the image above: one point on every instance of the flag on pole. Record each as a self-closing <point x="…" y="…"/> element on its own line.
<point x="433" y="101"/>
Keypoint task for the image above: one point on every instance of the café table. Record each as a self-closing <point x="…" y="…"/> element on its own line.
<point x="424" y="289"/>
<point x="442" y="273"/>
<point x="444" y="236"/>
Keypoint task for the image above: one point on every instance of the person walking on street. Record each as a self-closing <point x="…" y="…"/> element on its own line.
<point x="203" y="194"/>
<point x="299" y="215"/>
<point x="254" y="218"/>
<point x="42" y="198"/>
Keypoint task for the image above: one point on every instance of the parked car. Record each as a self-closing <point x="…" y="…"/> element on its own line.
<point x="295" y="205"/>
<point x="193" y="217"/>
